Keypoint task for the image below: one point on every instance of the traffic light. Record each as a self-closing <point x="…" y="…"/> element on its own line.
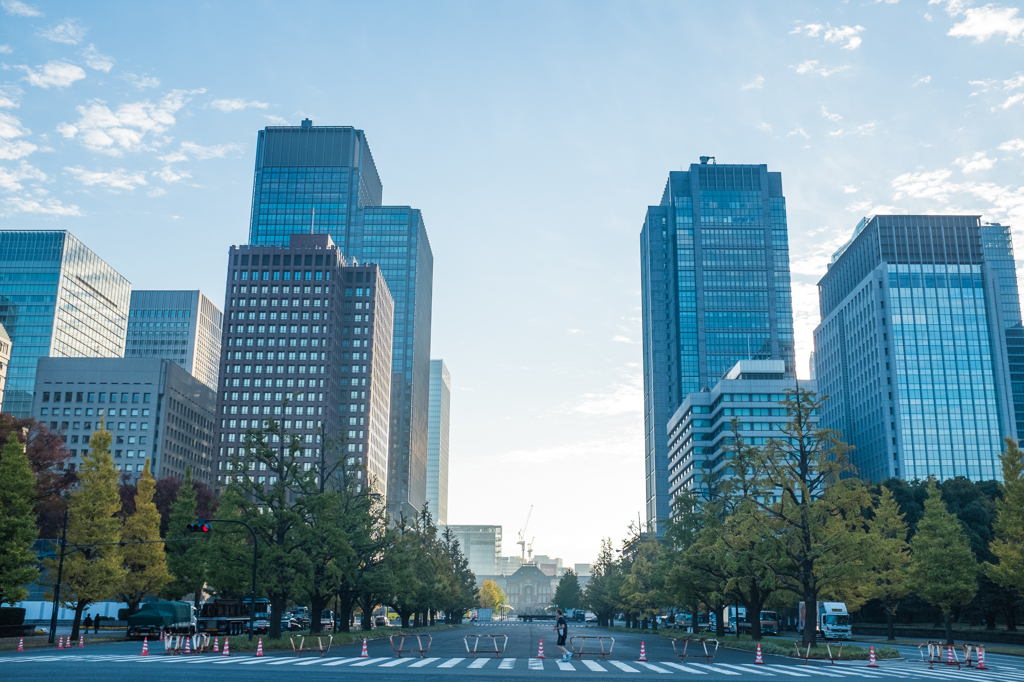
<point x="200" y="526"/>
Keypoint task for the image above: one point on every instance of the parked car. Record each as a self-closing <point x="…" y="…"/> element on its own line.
<point x="326" y="620"/>
<point x="381" y="622"/>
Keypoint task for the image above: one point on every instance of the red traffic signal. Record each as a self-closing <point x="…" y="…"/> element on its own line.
<point x="199" y="526"/>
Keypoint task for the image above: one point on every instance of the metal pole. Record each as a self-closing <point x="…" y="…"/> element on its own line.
<point x="252" y="609"/>
<point x="60" y="577"/>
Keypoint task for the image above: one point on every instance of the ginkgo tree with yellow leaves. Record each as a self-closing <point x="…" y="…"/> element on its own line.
<point x="143" y="556"/>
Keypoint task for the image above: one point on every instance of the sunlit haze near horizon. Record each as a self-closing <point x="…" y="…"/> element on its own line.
<point x="533" y="136"/>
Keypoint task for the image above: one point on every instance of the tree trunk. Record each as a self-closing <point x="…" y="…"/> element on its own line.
<point x="719" y="620"/>
<point x="949" y="628"/>
<point x="990" y="620"/>
<point x="890" y="617"/>
<point x="810" y="635"/>
<point x="344" y="615"/>
<point x="316" y="610"/>
<point x="366" y="602"/>
<point x="1010" y="613"/>
<point x="276" y="610"/>
<point x="79" y="607"/>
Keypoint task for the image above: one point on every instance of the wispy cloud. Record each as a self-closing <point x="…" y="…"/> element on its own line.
<point x="169" y="174"/>
<point x="6" y="49"/>
<point x="863" y="129"/>
<point x="618" y="338"/>
<point x="12" y="148"/>
<point x="69" y="32"/>
<point x="982" y="23"/>
<point x="850" y="35"/>
<point x="825" y="113"/>
<point x="19" y="9"/>
<point x="850" y="189"/>
<point x="229" y="105"/>
<point x="764" y="126"/>
<point x="812" y="66"/>
<point x="117" y="178"/>
<point x="97" y="61"/>
<point x="141" y="82"/>
<point x="975" y="162"/>
<point x="51" y="207"/>
<point x="276" y="119"/>
<point x="798" y="131"/>
<point x="620" y="398"/>
<point x="11" y="179"/>
<point x="923" y="80"/>
<point x="1014" y="145"/>
<point x="755" y="84"/>
<point x="58" y="74"/>
<point x="10" y="96"/>
<point x="217" y="151"/>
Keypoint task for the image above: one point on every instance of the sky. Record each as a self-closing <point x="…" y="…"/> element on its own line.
<point x="533" y="136"/>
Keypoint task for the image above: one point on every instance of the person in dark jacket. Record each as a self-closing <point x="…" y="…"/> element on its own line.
<point x="96" y="623"/>
<point x="87" y="622"/>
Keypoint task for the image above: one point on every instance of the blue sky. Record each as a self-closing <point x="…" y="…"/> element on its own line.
<point x="533" y="136"/>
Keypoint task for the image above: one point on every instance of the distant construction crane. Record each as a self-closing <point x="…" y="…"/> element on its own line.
<point x="522" y="535"/>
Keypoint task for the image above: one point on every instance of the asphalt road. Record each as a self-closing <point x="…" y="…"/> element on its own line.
<point x="448" y="659"/>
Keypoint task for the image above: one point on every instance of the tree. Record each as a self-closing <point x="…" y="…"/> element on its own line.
<point x="17" y="523"/>
<point x="145" y="561"/>
<point x="943" y="571"/>
<point x="568" y="594"/>
<point x="328" y="551"/>
<point x="890" y="556"/>
<point x="463" y="595"/>
<point x="186" y="554"/>
<point x="48" y="456"/>
<point x="491" y="596"/>
<point x="1008" y="547"/>
<point x="93" y="569"/>
<point x="641" y="586"/>
<point x="602" y="594"/>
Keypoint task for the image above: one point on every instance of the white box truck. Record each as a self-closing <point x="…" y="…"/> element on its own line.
<point x="830" y="618"/>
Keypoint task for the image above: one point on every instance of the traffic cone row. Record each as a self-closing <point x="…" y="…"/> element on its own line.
<point x="259" y="647"/>
<point x="227" y="648"/>
<point x="643" y="653"/>
<point x="871" y="659"/>
<point x="981" y="658"/>
<point x="758" y="660"/>
<point x="364" y="654"/>
<point x="540" y="649"/>
<point x="81" y="641"/>
<point x="949" y="657"/>
<point x="215" y="649"/>
<point x="145" y="646"/>
<point x="21" y="644"/>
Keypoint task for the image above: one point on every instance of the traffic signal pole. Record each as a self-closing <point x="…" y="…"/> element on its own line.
<point x="201" y="526"/>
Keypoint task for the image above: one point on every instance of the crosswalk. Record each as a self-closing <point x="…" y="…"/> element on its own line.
<point x="891" y="672"/>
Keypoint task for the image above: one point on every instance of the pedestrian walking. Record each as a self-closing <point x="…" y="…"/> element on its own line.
<point x="562" y="628"/>
<point x="87" y="622"/>
<point x="96" y="623"/>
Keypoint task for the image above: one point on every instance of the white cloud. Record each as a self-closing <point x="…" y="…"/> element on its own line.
<point x="52" y="207"/>
<point x="10" y="129"/>
<point x="6" y="49"/>
<point x="10" y="179"/>
<point x="1010" y="101"/>
<point x="850" y="189"/>
<point x="755" y="84"/>
<point x="126" y="129"/>
<point x="69" y="32"/>
<point x="97" y="61"/>
<point x="976" y="162"/>
<point x="169" y="175"/>
<point x="229" y="105"/>
<point x="1005" y="203"/>
<point x="924" y="185"/>
<point x="118" y="178"/>
<point x="825" y="113"/>
<point x="217" y="151"/>
<point x="833" y="34"/>
<point x="156" y="192"/>
<point x="276" y="119"/>
<point x="982" y="85"/>
<point x="982" y="23"/>
<point x="173" y="157"/>
<point x="1014" y="145"/>
<point x="573" y="331"/>
<point x="764" y="126"/>
<point x="141" y="82"/>
<point x="815" y="255"/>
<point x="869" y="208"/>
<point x="864" y="129"/>
<point x="618" y="338"/>
<point x="922" y="81"/>
<point x="798" y="131"/>
<point x="812" y="66"/>
<point x="59" y="74"/>
<point x="19" y="9"/>
<point x="620" y="398"/>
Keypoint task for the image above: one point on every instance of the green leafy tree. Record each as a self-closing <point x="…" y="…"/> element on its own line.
<point x="143" y="554"/>
<point x="943" y="570"/>
<point x="464" y="593"/>
<point x="642" y="584"/>
<point x="602" y="593"/>
<point x="890" y="556"/>
<point x="1008" y="546"/>
<point x="93" y="570"/>
<point x="491" y="596"/>
<point x="399" y="579"/>
<point x="328" y="550"/>
<point x="186" y="553"/>
<point x="568" y="594"/>
<point x="17" y="523"/>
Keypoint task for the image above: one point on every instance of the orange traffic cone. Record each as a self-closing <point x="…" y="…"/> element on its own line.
<point x="227" y="648"/>
<point x="758" y="660"/>
<point x="949" y="657"/>
<point x="259" y="647"/>
<point x="540" y="649"/>
<point x="81" y="641"/>
<point x="643" y="653"/>
<point x="145" y="646"/>
<point x="364" y="654"/>
<point x="871" y="659"/>
<point x="60" y="642"/>
<point x="215" y="649"/>
<point x="187" y="649"/>
<point x="21" y="644"/>
<point x="981" y="658"/>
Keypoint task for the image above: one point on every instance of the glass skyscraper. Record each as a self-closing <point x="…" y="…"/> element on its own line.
<point x="998" y="249"/>
<point x="913" y="346"/>
<point x="57" y="299"/>
<point x="181" y="326"/>
<point x="322" y="179"/>
<point x="437" y="441"/>
<point x="715" y="289"/>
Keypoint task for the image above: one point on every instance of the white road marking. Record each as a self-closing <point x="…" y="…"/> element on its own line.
<point x="536" y="664"/>
<point x="423" y="661"/>
<point x="397" y="661"/>
<point x="479" y="663"/>
<point x="562" y="665"/>
<point x="507" y="664"/>
<point x="756" y="669"/>
<point x="451" y="663"/>
<point x="595" y="666"/>
<point x="340" y="661"/>
<point x="625" y="668"/>
<point x="717" y="670"/>
<point x="312" y="661"/>
<point x="685" y="668"/>
<point x="368" y="661"/>
<point x="655" y="668"/>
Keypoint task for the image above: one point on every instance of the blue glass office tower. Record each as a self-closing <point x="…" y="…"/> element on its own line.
<point x="323" y="179"/>
<point x="913" y="346"/>
<point x="998" y="249"/>
<point x="715" y="289"/>
<point x="57" y="299"/>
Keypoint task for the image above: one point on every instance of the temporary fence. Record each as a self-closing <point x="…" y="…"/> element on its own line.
<point x="487" y="651"/>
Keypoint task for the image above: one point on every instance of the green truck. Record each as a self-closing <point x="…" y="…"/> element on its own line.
<point x="170" y="616"/>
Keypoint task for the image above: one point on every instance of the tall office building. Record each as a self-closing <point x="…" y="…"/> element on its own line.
<point x="912" y="347"/>
<point x="182" y="326"/>
<point x="481" y="545"/>
<point x="322" y="179"/>
<point x="997" y="246"/>
<point x="58" y="299"/>
<point x="437" y="441"/>
<point x="307" y="341"/>
<point x="715" y="289"/>
<point x="154" y="410"/>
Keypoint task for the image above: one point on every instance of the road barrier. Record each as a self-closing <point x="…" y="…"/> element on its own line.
<point x="487" y="652"/>
<point x="319" y="642"/>
<point x="598" y="649"/>
<point x="686" y="644"/>
<point x="420" y="649"/>
<point x="807" y="656"/>
<point x="935" y="654"/>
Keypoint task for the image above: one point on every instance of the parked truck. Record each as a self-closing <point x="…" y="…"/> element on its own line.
<point x="169" y="616"/>
<point x="224" y="616"/>
<point x="830" y="619"/>
<point x="736" y="616"/>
